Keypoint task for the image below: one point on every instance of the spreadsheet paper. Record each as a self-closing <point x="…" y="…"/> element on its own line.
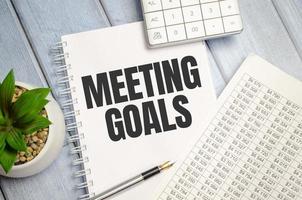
<point x="251" y="146"/>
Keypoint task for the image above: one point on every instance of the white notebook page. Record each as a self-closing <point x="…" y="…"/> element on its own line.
<point x="117" y="48"/>
<point x="251" y="146"/>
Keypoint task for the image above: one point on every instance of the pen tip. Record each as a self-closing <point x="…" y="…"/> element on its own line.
<point x="166" y="165"/>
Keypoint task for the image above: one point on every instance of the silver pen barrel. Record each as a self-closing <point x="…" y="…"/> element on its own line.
<point x="133" y="181"/>
<point x="118" y="188"/>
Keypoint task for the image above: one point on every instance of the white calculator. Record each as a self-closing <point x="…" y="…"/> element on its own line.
<point x="169" y="22"/>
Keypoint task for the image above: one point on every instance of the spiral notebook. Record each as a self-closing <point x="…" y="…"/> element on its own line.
<point x="133" y="107"/>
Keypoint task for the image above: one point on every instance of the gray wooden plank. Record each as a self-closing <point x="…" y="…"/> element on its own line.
<point x="218" y="81"/>
<point x="125" y="11"/>
<point x="122" y="11"/>
<point x="2" y="197"/>
<point x="15" y="52"/>
<point x="264" y="34"/>
<point x="46" y="21"/>
<point x="291" y="15"/>
<point x="56" y="182"/>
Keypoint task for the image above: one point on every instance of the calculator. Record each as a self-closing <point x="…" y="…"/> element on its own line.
<point x="169" y="22"/>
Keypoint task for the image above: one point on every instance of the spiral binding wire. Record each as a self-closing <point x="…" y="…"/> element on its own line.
<point x="72" y="126"/>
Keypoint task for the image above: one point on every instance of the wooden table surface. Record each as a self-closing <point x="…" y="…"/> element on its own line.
<point x="28" y="28"/>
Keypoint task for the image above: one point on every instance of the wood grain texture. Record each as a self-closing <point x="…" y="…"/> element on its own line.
<point x="45" y="22"/>
<point x="125" y="11"/>
<point x="122" y="11"/>
<point x="264" y="34"/>
<point x="217" y="78"/>
<point x="290" y="12"/>
<point x="2" y="197"/>
<point x="15" y="52"/>
<point x="54" y="183"/>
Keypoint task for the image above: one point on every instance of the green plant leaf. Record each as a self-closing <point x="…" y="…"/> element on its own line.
<point x="15" y="140"/>
<point x="38" y="123"/>
<point x="2" y="141"/>
<point x="31" y="114"/>
<point x="2" y="119"/>
<point x="7" y="90"/>
<point x="2" y="148"/>
<point x="3" y="136"/>
<point x="8" y="158"/>
<point x="30" y="103"/>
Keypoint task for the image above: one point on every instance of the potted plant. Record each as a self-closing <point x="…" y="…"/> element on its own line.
<point x="32" y="128"/>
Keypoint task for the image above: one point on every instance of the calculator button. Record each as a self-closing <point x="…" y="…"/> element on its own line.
<point x="192" y="13"/>
<point x="213" y="26"/>
<point x="167" y="4"/>
<point x="195" y="29"/>
<point x="154" y="19"/>
<point x="232" y="23"/>
<point x="229" y="7"/>
<point x="189" y="2"/>
<point x="173" y="16"/>
<point x="210" y="10"/>
<point x="151" y="5"/>
<point x="176" y="33"/>
<point x="157" y="36"/>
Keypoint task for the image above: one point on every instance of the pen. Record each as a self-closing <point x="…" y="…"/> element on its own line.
<point x="133" y="181"/>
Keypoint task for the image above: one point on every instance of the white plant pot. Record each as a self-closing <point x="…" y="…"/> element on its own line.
<point x="52" y="146"/>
